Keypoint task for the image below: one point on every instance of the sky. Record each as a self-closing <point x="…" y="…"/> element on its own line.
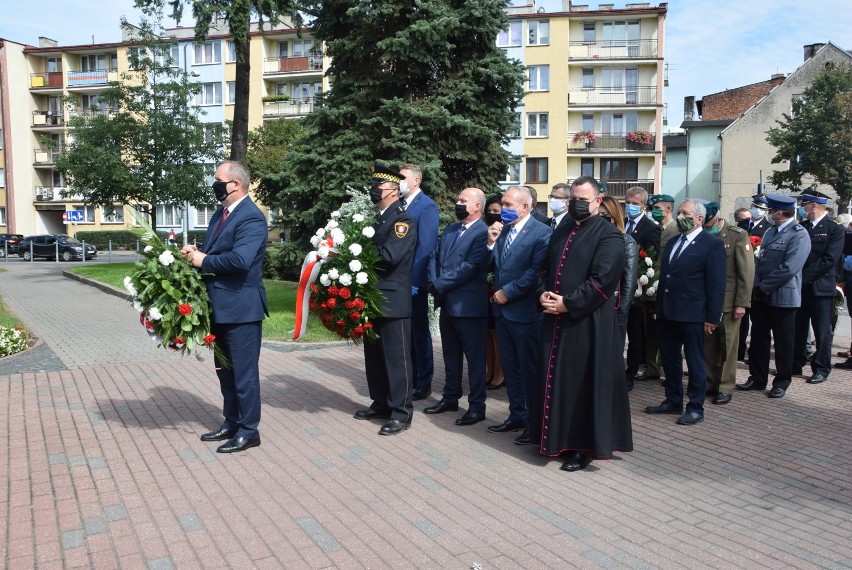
<point x="711" y="45"/>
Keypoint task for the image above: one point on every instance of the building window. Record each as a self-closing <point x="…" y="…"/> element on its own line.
<point x="112" y="214"/>
<point x="587" y="167"/>
<point x="203" y="215"/>
<point x="54" y="64"/>
<point x="212" y="133"/>
<point x="513" y="173"/>
<point x="537" y="125"/>
<point x="208" y="52"/>
<point x="136" y="57"/>
<point x="717" y="172"/>
<point x="587" y="122"/>
<point x="168" y="215"/>
<point x="100" y="62"/>
<point x="619" y="123"/>
<point x="2" y="216"/>
<point x="516" y="133"/>
<point x="620" y="169"/>
<point x="232" y="52"/>
<point x="210" y="94"/>
<point x="539" y="33"/>
<point x="588" y="78"/>
<point x="2" y="177"/>
<point x="539" y="77"/>
<point x="88" y="214"/>
<point x="510" y="37"/>
<point x="1" y="139"/>
<point x="232" y="92"/>
<point x="302" y="48"/>
<point x="283" y="50"/>
<point x="536" y="170"/>
<point x="169" y="56"/>
<point x="588" y="32"/>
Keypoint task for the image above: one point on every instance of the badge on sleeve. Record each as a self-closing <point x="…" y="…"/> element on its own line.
<point x="747" y="247"/>
<point x="401" y="229"/>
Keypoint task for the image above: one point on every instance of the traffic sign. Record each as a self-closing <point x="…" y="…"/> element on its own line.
<point x="72" y="216"/>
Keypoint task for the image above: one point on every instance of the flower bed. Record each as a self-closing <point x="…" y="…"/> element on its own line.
<point x="13" y="340"/>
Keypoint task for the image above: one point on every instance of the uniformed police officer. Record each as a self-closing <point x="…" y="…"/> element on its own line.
<point x="776" y="296"/>
<point x="388" y="360"/>
<point x="720" y="347"/>
<point x="819" y="279"/>
<point x="759" y="221"/>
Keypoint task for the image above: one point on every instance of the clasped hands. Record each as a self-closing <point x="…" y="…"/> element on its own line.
<point x="192" y="255"/>
<point x="552" y="303"/>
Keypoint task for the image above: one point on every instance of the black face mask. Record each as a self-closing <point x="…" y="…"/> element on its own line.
<point x="579" y="210"/>
<point x="220" y="189"/>
<point x="490" y="218"/>
<point x="376" y="194"/>
<point x="743" y="224"/>
<point x="461" y="211"/>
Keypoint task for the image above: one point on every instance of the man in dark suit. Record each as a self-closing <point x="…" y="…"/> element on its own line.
<point x="534" y="212"/>
<point x="457" y="282"/>
<point x="689" y="306"/>
<point x="820" y="276"/>
<point x="231" y="260"/>
<point x="387" y="360"/>
<point x="518" y="249"/>
<point x="424" y="216"/>
<point x="647" y="234"/>
<point x="776" y="296"/>
<point x="557" y="201"/>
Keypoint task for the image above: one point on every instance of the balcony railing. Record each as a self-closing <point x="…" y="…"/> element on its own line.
<point x="290" y="64"/>
<point x="618" y="188"/>
<point x="93" y="77"/>
<point x="613" y="49"/>
<point x="614" y="96"/>
<point x="46" y="157"/>
<point x="46" y="80"/>
<point x="609" y="142"/>
<point x="48" y="119"/>
<point x="54" y="194"/>
<point x="89" y="113"/>
<point x="288" y="108"/>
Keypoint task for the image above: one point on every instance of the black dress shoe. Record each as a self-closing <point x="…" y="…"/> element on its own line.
<point x="690" y="419"/>
<point x="238" y="443"/>
<point x="421" y="393"/>
<point x="507" y="426"/>
<point x="441" y="407"/>
<point x="221" y="434"/>
<point x="642" y="376"/>
<point x="495" y="386"/>
<point x="845" y="365"/>
<point x="749" y="385"/>
<point x="817" y="379"/>
<point x="777" y="392"/>
<point x="370" y="414"/>
<point x="394" y="427"/>
<point x="470" y="418"/>
<point x="721" y="399"/>
<point x="576" y="462"/>
<point x="524" y="438"/>
<point x="664" y="408"/>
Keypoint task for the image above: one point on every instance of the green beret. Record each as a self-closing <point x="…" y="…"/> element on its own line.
<point x="712" y="209"/>
<point x="657" y="198"/>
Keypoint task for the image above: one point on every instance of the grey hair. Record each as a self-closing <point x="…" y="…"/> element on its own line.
<point x="698" y="208"/>
<point x="480" y="198"/>
<point x="523" y="190"/>
<point x="236" y="171"/>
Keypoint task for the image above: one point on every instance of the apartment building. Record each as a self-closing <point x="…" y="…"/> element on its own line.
<point x="594" y="101"/>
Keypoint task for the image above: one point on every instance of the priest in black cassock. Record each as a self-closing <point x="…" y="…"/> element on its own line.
<point x="581" y="409"/>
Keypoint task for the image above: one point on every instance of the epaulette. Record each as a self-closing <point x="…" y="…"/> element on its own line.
<point x="798" y="228"/>
<point x="736" y="229"/>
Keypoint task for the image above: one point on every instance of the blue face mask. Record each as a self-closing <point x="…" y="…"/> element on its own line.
<point x="802" y="213"/>
<point x="508" y="216"/>
<point x="632" y="210"/>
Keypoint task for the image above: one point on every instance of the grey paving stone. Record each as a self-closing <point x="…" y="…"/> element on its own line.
<point x="428" y="528"/>
<point x="73" y="539"/>
<point x="115" y="513"/>
<point x="318" y="534"/>
<point x="95" y="525"/>
<point x="190" y="523"/>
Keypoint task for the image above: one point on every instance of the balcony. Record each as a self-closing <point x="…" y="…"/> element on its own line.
<point x="46" y="80"/>
<point x="91" y="113"/>
<point x="46" y="158"/>
<point x="292" y="64"/>
<point x="613" y="96"/>
<point x="48" y="119"/>
<point x="609" y="143"/>
<point x="93" y="78"/>
<point x="621" y="49"/>
<point x="618" y="188"/>
<point x="54" y="194"/>
<point x="291" y="108"/>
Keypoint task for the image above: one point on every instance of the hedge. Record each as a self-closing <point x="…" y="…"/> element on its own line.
<point x="127" y="240"/>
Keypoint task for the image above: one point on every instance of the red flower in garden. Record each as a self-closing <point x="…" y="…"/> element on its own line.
<point x="345" y="293"/>
<point x="332" y="303"/>
<point x="209" y="339"/>
<point x="184" y="309"/>
<point x="333" y="290"/>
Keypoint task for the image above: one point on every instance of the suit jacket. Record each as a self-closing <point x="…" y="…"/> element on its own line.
<point x="424" y="215"/>
<point x="458" y="271"/>
<point x="778" y="269"/>
<point x="515" y="273"/>
<point x="692" y="287"/>
<point x="234" y="262"/>
<point x="540" y="217"/>
<point x="759" y="229"/>
<point x="824" y="265"/>
<point x="646" y="233"/>
<point x="395" y="239"/>
<point x="739" y="267"/>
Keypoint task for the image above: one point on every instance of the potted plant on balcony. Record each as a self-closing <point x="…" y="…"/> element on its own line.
<point x="275" y="98"/>
<point x="639" y="137"/>
<point x="585" y="136"/>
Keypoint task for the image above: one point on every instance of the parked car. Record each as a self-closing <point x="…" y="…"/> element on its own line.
<point x="46" y="246"/>
<point x="9" y="242"/>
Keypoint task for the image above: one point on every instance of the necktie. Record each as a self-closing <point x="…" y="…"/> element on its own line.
<point x="509" y="238"/>
<point x="553" y="223"/>
<point x="679" y="247"/>
<point x="404" y="203"/>
<point x="221" y="221"/>
<point x="630" y="226"/>
<point x="458" y="237"/>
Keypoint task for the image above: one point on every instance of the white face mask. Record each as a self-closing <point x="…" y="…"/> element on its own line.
<point x="403" y="188"/>
<point x="756" y="213"/>
<point x="557" y="205"/>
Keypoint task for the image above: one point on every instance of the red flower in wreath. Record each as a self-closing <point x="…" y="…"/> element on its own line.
<point x="359" y="304"/>
<point x="345" y="293"/>
<point x="333" y="291"/>
<point x="209" y="339"/>
<point x="354" y="315"/>
<point x="184" y="309"/>
<point x="755" y="241"/>
<point x="643" y="253"/>
<point x="332" y="303"/>
<point x="349" y="304"/>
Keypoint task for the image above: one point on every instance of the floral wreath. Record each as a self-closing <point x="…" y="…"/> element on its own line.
<point x="170" y="296"/>
<point x="340" y="274"/>
<point x="648" y="277"/>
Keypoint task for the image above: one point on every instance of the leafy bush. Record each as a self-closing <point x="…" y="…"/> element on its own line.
<point x="127" y="240"/>
<point x="284" y="260"/>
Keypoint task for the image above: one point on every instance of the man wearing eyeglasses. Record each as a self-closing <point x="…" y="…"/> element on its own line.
<point x="558" y="203"/>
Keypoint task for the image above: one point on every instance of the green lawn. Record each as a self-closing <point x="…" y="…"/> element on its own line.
<point x="281" y="296"/>
<point x="7" y="319"/>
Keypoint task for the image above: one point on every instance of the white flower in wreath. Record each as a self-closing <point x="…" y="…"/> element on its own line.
<point x="643" y="280"/>
<point x="345" y="280"/>
<point x="154" y="314"/>
<point x="138" y="306"/>
<point x="128" y="284"/>
<point x="368" y="231"/>
<point x="166" y="258"/>
<point x="361" y="278"/>
<point x="335" y="214"/>
<point x="650" y="273"/>
<point x="357" y="218"/>
<point x="355" y="249"/>
<point x="323" y="251"/>
<point x="649" y="262"/>
<point x="651" y="291"/>
<point x="324" y="280"/>
<point x="148" y="249"/>
<point x="355" y="265"/>
<point x="320" y="233"/>
<point x="333" y="274"/>
<point x="331" y="225"/>
<point x="315" y="241"/>
<point x="337" y="236"/>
